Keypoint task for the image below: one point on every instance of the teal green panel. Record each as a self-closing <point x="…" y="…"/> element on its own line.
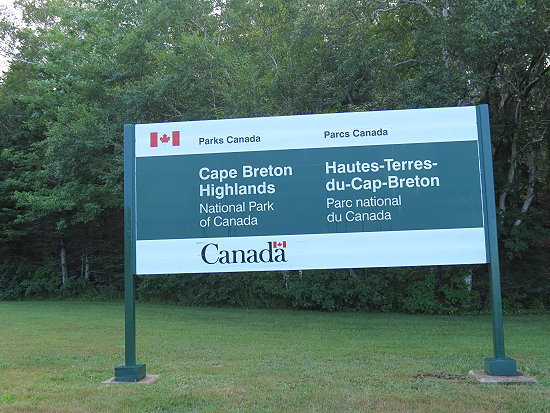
<point x="432" y="186"/>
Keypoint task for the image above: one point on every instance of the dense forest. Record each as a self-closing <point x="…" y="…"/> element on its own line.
<point x="80" y="69"/>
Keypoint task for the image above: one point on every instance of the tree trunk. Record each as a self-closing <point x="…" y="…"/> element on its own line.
<point x="445" y="15"/>
<point x="514" y="158"/>
<point x="63" y="261"/>
<point x="85" y="266"/>
<point x="531" y="187"/>
<point x="286" y="276"/>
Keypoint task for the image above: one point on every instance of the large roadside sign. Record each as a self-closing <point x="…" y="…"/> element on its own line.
<point x="346" y="190"/>
<point x="360" y="189"/>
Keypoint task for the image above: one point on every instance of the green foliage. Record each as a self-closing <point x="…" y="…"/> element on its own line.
<point x="12" y="277"/>
<point x="44" y="283"/>
<point x="441" y="290"/>
<point x="519" y="239"/>
<point x="80" y="288"/>
<point x="81" y="69"/>
<point x="25" y="281"/>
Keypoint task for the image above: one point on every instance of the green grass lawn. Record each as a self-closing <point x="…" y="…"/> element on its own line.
<point x="54" y="356"/>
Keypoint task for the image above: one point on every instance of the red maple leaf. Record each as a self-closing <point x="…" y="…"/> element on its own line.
<point x="164" y="138"/>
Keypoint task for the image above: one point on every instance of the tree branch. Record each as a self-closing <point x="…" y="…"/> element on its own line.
<point x="404" y="62"/>
<point x="422" y="4"/>
<point x="534" y="82"/>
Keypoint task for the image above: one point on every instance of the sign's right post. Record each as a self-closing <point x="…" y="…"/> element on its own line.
<point x="499" y="365"/>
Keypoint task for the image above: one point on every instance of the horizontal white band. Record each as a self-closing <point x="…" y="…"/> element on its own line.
<point x="319" y="251"/>
<point x="308" y="131"/>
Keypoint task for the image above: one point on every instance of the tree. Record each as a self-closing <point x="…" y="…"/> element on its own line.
<point x="83" y="68"/>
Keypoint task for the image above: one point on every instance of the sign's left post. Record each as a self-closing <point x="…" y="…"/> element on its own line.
<point x="130" y="370"/>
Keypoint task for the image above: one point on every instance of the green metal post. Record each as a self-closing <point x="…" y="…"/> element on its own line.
<point x="499" y="365"/>
<point x="130" y="371"/>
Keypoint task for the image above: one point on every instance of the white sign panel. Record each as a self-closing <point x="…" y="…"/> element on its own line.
<point x="347" y="190"/>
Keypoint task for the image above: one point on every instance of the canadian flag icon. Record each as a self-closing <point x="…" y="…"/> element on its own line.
<point x="278" y="244"/>
<point x="154" y="139"/>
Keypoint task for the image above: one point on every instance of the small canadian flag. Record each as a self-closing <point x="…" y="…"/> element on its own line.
<point x="278" y="244"/>
<point x="154" y="139"/>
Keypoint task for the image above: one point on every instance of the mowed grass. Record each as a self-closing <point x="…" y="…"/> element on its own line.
<point x="54" y="356"/>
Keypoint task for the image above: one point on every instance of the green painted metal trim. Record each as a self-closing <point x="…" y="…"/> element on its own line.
<point x="486" y="176"/>
<point x="501" y="367"/>
<point x="129" y="196"/>
<point x="130" y="371"/>
<point x="500" y="364"/>
<point x="487" y="183"/>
